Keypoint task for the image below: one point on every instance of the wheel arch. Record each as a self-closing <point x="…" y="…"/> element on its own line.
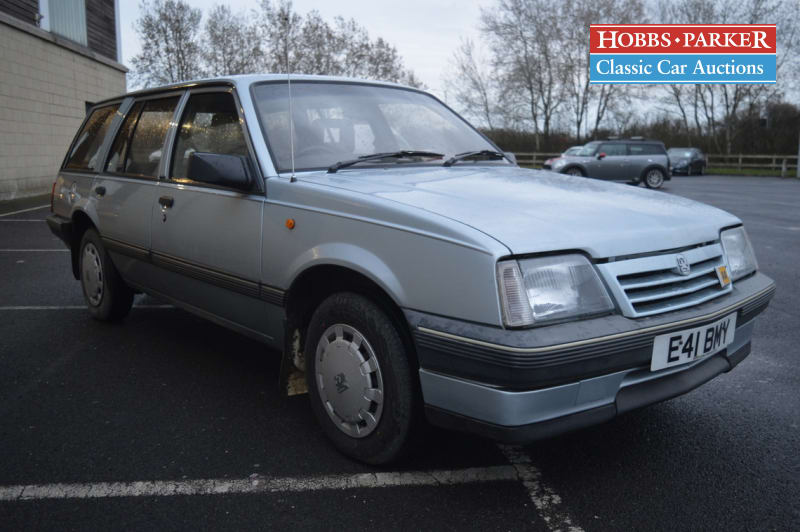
<point x="319" y="281"/>
<point x="81" y="221"/>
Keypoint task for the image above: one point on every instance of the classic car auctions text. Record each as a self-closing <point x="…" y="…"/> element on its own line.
<point x="682" y="53"/>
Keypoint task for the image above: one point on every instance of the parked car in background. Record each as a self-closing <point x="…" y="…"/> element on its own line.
<point x="687" y="161"/>
<point x="635" y="160"/>
<point x="391" y="252"/>
<point x="569" y="151"/>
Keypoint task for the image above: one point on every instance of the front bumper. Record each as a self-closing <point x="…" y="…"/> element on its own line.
<point x="528" y="384"/>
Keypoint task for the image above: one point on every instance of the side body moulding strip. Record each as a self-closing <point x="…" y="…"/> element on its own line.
<point x="256" y="289"/>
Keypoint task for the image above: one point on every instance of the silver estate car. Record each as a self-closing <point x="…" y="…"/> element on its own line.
<point x="400" y="260"/>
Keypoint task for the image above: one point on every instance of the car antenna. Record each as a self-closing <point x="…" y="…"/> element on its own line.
<point x="287" y="21"/>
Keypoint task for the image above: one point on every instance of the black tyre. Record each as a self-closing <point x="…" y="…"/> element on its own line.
<point x="360" y="381"/>
<point x="654" y="178"/>
<point x="106" y="294"/>
<point x="574" y="170"/>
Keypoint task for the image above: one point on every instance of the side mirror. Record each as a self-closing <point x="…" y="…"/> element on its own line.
<point x="510" y="156"/>
<point x="601" y="156"/>
<point x="217" y="169"/>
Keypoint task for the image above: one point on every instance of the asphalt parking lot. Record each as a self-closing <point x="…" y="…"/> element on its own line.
<point x="168" y="422"/>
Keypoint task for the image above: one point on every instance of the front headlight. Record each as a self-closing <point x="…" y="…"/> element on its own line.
<point x="741" y="259"/>
<point x="545" y="289"/>
<point x="558" y="163"/>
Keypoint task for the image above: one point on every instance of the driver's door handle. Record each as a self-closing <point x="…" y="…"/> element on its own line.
<point x="166" y="201"/>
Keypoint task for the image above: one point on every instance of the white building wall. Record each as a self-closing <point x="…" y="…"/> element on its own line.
<point x="44" y="88"/>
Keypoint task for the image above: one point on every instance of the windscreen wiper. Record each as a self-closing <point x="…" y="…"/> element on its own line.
<point x="490" y="155"/>
<point x="402" y="154"/>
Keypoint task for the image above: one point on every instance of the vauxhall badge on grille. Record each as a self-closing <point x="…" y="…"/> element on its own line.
<point x="684" y="268"/>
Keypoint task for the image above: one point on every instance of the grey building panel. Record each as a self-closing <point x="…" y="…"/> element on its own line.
<point x="101" y="27"/>
<point x="25" y="10"/>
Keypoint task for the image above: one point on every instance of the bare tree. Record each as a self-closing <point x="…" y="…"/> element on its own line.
<point x="717" y="108"/>
<point x="315" y="46"/>
<point x="231" y="44"/>
<point x="525" y="59"/>
<point x="584" y="99"/>
<point x="168" y="30"/>
<point x="472" y="84"/>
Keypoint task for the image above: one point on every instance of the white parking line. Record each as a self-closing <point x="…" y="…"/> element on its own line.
<point x="70" y="307"/>
<point x="546" y="500"/>
<point x="255" y="484"/>
<point x="24" y="210"/>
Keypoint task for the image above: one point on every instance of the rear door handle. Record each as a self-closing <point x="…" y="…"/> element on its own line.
<point x="100" y="191"/>
<point x="166" y="201"/>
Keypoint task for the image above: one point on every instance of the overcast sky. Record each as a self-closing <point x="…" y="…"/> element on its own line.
<point x="425" y="32"/>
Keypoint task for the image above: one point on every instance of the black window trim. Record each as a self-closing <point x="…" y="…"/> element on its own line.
<point x="147" y="97"/>
<point x="111" y="129"/>
<point x="172" y="136"/>
<point x="264" y="135"/>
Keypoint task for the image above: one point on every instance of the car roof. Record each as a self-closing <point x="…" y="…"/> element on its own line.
<point x="629" y="141"/>
<point x="245" y="80"/>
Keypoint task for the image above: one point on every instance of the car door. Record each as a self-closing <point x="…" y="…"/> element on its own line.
<point x="207" y="238"/>
<point x="610" y="166"/>
<point x="125" y="189"/>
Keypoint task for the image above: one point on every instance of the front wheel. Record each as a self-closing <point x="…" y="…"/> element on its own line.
<point x="575" y="171"/>
<point x="654" y="178"/>
<point x="360" y="380"/>
<point x="106" y="294"/>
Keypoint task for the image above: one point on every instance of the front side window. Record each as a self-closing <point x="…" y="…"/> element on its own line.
<point x="86" y="147"/>
<point x="341" y="121"/>
<point x="210" y="124"/>
<point x="588" y="149"/>
<point x="137" y="148"/>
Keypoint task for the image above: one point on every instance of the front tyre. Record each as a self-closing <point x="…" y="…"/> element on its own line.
<point x="106" y="294"/>
<point x="575" y="170"/>
<point x="359" y="379"/>
<point x="654" y="178"/>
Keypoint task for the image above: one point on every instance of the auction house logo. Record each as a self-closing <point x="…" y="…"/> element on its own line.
<point x="682" y="53"/>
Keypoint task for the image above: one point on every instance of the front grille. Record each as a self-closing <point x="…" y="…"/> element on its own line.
<point x="652" y="285"/>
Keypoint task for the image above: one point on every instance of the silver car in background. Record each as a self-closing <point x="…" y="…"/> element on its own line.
<point x="635" y="160"/>
<point x="400" y="261"/>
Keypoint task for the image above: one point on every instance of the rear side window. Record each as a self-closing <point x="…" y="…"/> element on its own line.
<point x="613" y="149"/>
<point x="646" y="149"/>
<point x="86" y="148"/>
<point x="210" y="124"/>
<point x="137" y="148"/>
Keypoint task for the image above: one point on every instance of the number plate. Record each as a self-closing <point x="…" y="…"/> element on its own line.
<point x="682" y="347"/>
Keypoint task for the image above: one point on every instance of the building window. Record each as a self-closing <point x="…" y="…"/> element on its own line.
<point x="64" y="17"/>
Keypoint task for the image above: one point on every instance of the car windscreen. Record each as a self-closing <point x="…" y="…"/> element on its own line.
<point x="676" y="152"/>
<point x="340" y="121"/>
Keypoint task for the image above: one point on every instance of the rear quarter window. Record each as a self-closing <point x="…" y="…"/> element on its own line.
<point x="85" y="150"/>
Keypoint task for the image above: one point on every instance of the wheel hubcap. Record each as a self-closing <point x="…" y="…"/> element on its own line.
<point x="654" y="178"/>
<point x="92" y="274"/>
<point x="574" y="171"/>
<point x="349" y="380"/>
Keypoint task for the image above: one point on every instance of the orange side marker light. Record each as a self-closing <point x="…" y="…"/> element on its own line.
<point x="290" y="223"/>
